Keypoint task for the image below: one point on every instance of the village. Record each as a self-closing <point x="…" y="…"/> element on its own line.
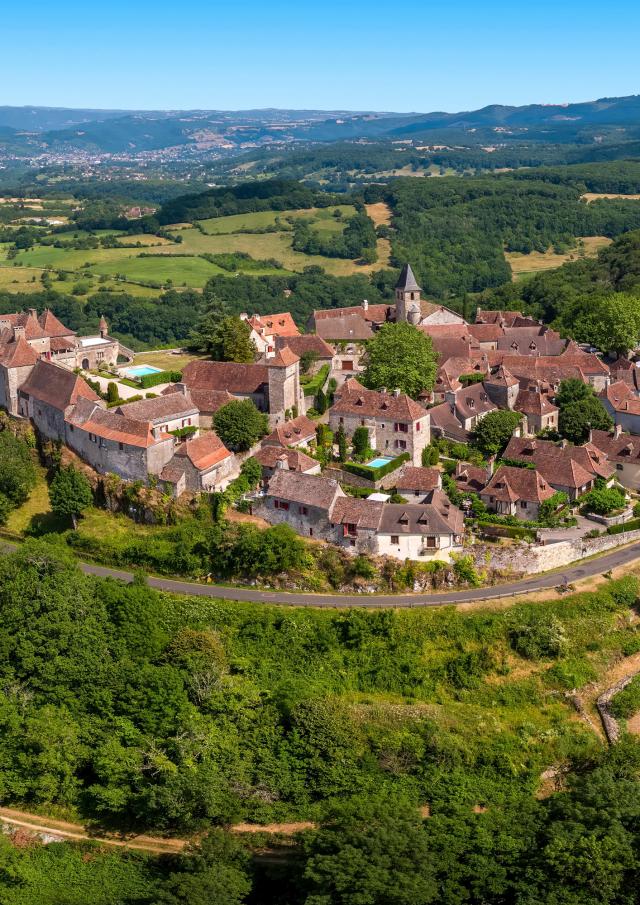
<point x="378" y="472"/>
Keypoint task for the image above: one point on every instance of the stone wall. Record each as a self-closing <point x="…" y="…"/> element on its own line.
<point x="526" y="559"/>
<point x="610" y="723"/>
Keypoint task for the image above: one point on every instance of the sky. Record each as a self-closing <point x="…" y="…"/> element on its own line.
<point x="404" y="56"/>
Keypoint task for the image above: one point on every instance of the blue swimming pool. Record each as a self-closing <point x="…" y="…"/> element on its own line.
<point x="379" y="461"/>
<point x="142" y="371"/>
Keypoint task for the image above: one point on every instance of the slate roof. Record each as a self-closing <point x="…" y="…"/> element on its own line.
<point x="306" y="489"/>
<point x="473" y="400"/>
<point x="431" y="519"/>
<point x="444" y="421"/>
<point x="470" y="477"/>
<point x="619" y="447"/>
<point x="162" y="408"/>
<point x="407" y="281"/>
<point x="56" y="386"/>
<point x="225" y="375"/>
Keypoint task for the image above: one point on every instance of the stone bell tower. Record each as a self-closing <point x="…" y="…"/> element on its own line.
<point x="407" y="296"/>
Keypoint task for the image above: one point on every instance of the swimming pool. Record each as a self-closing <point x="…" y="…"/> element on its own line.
<point x="379" y="461"/>
<point x="141" y="371"/>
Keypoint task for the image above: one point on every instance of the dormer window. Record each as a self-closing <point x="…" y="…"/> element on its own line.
<point x="359" y="401"/>
<point x="404" y="519"/>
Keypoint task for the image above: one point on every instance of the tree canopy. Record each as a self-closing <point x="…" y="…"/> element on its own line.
<point x="239" y="424"/>
<point x="400" y="357"/>
<point x="492" y="433"/>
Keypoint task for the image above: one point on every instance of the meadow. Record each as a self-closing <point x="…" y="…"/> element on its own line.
<point x="536" y="261"/>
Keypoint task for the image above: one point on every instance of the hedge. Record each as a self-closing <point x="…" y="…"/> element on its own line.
<point x="375" y="474"/>
<point x="151" y="380"/>
<point x="315" y="383"/>
<point x="632" y="525"/>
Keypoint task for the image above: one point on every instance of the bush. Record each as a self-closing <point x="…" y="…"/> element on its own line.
<point x="375" y="474"/>
<point x="603" y="500"/>
<point x="151" y="380"/>
<point x="627" y="701"/>
<point x="534" y="634"/>
<point x="632" y="525"/>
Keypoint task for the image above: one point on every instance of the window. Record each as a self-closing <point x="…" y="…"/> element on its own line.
<point x="431" y="542"/>
<point x="349" y="530"/>
<point x="619" y="466"/>
<point x="401" y="428"/>
<point x="395" y="539"/>
<point x="281" y="504"/>
<point x="352" y="543"/>
<point x="120" y="445"/>
<point x="523" y="504"/>
<point x="401" y="444"/>
<point x="303" y="510"/>
<point x="418" y="425"/>
<point x="342" y="421"/>
<point x="71" y="428"/>
<point x="310" y="532"/>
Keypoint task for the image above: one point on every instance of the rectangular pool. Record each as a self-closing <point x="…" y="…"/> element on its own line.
<point x="379" y="461"/>
<point x="141" y="371"/>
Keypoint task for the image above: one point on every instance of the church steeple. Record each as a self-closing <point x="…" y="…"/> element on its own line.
<point x="407" y="293"/>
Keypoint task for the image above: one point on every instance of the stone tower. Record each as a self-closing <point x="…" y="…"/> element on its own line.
<point x="284" y="385"/>
<point x="407" y="296"/>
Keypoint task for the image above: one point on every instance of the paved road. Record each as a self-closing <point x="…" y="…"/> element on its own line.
<point x="576" y="572"/>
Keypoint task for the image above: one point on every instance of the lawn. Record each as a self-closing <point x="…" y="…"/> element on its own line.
<point x="536" y="261"/>
<point x="162" y="358"/>
<point x="36" y="508"/>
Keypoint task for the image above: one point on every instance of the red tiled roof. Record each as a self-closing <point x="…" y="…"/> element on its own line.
<point x="268" y="457"/>
<point x="376" y="314"/>
<point x="292" y="432"/>
<point x="346" y="327"/>
<point x="569" y="466"/>
<point x="364" y="514"/>
<point x="421" y="479"/>
<point x="618" y="394"/>
<point x="530" y="402"/>
<point x="173" y="405"/>
<point x="204" y="451"/>
<point x="17" y="354"/>
<point x="56" y="386"/>
<point x="470" y="477"/>
<point x="512" y="484"/>
<point x="306" y="489"/>
<point x="486" y="333"/>
<point x="206" y="401"/>
<point x="274" y="324"/>
<point x="618" y="447"/>
<point x="356" y="400"/>
<point x="283" y="359"/>
<point x="307" y="342"/>
<point x="225" y="375"/>
<point x="111" y="426"/>
<point x="52" y="326"/>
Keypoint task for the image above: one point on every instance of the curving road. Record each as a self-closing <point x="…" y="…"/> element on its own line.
<point x="576" y="572"/>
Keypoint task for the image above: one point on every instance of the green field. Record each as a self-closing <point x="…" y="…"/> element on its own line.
<point x="260" y="219"/>
<point x="190" y="271"/>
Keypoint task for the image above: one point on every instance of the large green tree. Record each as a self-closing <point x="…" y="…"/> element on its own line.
<point x="492" y="432"/>
<point x="70" y="493"/>
<point x="617" y="322"/>
<point x="239" y="424"/>
<point x="400" y="357"/>
<point x="578" y="418"/>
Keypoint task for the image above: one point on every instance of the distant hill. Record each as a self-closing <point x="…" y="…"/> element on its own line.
<point x="122" y="131"/>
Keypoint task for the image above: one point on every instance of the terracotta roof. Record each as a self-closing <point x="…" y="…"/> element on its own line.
<point x="421" y="479"/>
<point x="470" y="477"/>
<point x="292" y="432"/>
<point x="61" y="344"/>
<point x="347" y="327"/>
<point x="364" y="514"/>
<point x="568" y="466"/>
<point x="56" y="386"/>
<point x="26" y="319"/>
<point x="225" y="375"/>
<point x="376" y="314"/>
<point x="274" y="324"/>
<point x="427" y="308"/>
<point x="406" y="281"/>
<point x="204" y="451"/>
<point x="511" y="484"/>
<point x="17" y="354"/>
<point x="618" y="447"/>
<point x="618" y="394"/>
<point x="306" y="489"/>
<point x="486" y="333"/>
<point x="531" y="402"/>
<point x="356" y="400"/>
<point x="206" y="401"/>
<point x="307" y="342"/>
<point x="283" y="359"/>
<point x="268" y="457"/>
<point x="111" y="426"/>
<point x="173" y="405"/>
<point x="502" y="377"/>
<point x="172" y="473"/>
<point x="52" y="326"/>
<point x="505" y="318"/>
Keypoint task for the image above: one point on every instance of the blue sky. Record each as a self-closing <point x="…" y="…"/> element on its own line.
<point x="401" y="56"/>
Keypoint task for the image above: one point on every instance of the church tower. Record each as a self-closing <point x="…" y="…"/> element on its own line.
<point x="407" y="297"/>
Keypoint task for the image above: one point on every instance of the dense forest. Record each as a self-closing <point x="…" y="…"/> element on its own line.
<point x="133" y="709"/>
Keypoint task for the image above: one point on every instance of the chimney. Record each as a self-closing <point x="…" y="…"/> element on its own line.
<point x="244" y="316"/>
<point x="18" y="331"/>
<point x="382" y="390"/>
<point x="365" y="305"/>
<point x="396" y="392"/>
<point x="617" y="431"/>
<point x="490" y="464"/>
<point x="32" y="312"/>
<point x="282" y="463"/>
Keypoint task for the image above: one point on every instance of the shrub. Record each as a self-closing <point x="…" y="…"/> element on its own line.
<point x="602" y="500"/>
<point x="151" y="380"/>
<point x="627" y="701"/>
<point x="534" y="634"/>
<point x="375" y="474"/>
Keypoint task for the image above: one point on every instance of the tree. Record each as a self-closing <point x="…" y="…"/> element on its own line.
<point x="239" y="424"/>
<point x="112" y="392"/>
<point x="341" y="440"/>
<point x="603" y="500"/>
<point x="205" y="334"/>
<point x="578" y="418"/>
<point x="572" y="390"/>
<point x="400" y="357"/>
<point x="360" y="441"/>
<point x="492" y="432"/>
<point x="320" y="401"/>
<point x="373" y="850"/>
<point x="617" y="323"/>
<point x="307" y="360"/>
<point x="252" y="470"/>
<point x="70" y="493"/>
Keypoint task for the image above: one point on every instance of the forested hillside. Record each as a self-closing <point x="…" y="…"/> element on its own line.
<point x="133" y="709"/>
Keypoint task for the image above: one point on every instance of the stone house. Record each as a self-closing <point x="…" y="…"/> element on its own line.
<point x="396" y="423"/>
<point x="570" y="469"/>
<point x="308" y="344"/>
<point x="201" y="465"/>
<point x="470" y="405"/>
<point x="623" y="453"/>
<point x="416" y="484"/>
<point x="17" y="360"/>
<point x="540" y="413"/>
<point x="165" y="413"/>
<point x="266" y="329"/>
<point x="272" y="457"/>
<point x="47" y="395"/>
<point x="303" y="501"/>
<point x="502" y="388"/>
<point x="207" y="402"/>
<point x="623" y="405"/>
<point x="300" y="431"/>
<point x="516" y="491"/>
<point x="113" y="443"/>
<point x="414" y="531"/>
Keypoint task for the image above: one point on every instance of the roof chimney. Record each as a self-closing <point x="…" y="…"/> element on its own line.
<point x="365" y="304"/>
<point x="617" y="431"/>
<point x="18" y="331"/>
<point x="396" y="392"/>
<point x="282" y="462"/>
<point x="32" y="312"/>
